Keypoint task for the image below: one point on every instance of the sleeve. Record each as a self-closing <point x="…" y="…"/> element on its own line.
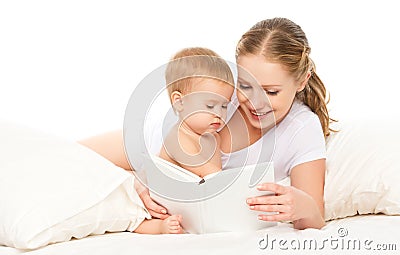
<point x="308" y="143"/>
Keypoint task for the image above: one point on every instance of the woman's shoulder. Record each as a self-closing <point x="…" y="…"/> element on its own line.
<point x="300" y="119"/>
<point x="301" y="115"/>
<point x="300" y="139"/>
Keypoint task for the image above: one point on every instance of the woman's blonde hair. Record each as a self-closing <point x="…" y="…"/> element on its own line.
<point x="192" y="64"/>
<point x="282" y="41"/>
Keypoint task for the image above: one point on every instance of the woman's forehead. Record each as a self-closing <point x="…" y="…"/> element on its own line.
<point x="256" y="70"/>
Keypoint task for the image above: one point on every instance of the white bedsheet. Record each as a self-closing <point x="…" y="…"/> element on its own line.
<point x="356" y="235"/>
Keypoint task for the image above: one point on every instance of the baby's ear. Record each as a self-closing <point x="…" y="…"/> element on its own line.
<point x="176" y="99"/>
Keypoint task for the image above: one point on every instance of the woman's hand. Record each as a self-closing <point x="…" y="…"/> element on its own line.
<point x="154" y="209"/>
<point x="292" y="204"/>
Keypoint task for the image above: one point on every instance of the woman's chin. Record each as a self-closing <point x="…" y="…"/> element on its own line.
<point x="266" y="121"/>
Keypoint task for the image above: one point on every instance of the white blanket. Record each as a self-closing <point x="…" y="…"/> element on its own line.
<point x="369" y="234"/>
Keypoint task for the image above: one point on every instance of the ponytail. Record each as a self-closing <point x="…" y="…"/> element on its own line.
<point x="315" y="97"/>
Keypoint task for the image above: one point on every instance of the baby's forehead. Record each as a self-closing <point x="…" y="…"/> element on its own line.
<point x="195" y="81"/>
<point x="213" y="86"/>
<point x="204" y="95"/>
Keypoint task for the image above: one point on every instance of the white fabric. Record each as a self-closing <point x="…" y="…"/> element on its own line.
<point x="371" y="232"/>
<point x="52" y="190"/>
<point x="363" y="169"/>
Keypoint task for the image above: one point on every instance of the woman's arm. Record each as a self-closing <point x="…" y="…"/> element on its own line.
<point x="111" y="146"/>
<point x="301" y="203"/>
<point x="310" y="178"/>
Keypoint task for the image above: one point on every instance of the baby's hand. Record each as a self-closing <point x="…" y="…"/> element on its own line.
<point x="172" y="225"/>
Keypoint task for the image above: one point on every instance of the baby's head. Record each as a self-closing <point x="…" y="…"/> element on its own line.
<point x="200" y="84"/>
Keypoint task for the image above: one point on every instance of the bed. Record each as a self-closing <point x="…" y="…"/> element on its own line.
<point x="361" y="235"/>
<point x="58" y="197"/>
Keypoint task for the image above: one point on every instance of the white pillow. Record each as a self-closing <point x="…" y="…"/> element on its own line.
<point x="52" y="189"/>
<point x="363" y="169"/>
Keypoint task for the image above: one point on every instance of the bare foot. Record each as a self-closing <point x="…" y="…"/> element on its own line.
<point x="172" y="225"/>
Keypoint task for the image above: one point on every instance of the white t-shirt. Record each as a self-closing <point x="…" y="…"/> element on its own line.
<point x="297" y="139"/>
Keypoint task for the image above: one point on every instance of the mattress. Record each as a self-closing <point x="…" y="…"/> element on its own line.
<point x="367" y="234"/>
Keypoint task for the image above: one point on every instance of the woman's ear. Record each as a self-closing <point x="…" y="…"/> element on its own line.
<point x="176" y="99"/>
<point x="304" y="83"/>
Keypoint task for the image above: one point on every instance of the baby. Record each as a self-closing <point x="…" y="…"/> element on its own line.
<point x="200" y="85"/>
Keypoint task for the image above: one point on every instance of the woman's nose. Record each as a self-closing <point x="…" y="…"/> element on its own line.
<point x="259" y="100"/>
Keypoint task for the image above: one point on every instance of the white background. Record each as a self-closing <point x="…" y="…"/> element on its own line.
<point x="69" y="67"/>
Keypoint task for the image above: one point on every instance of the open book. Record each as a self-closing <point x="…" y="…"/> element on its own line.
<point x="215" y="203"/>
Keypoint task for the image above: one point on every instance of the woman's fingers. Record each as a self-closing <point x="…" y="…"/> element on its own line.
<point x="154" y="209"/>
<point x="270" y="208"/>
<point x="275" y="217"/>
<point x="262" y="200"/>
<point x="276" y="188"/>
<point x="280" y="205"/>
<point x="281" y="195"/>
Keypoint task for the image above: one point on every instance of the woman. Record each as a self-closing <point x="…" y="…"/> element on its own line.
<point x="276" y="53"/>
<point x="279" y="96"/>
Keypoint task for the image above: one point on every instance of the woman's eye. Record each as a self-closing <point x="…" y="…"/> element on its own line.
<point x="272" y="92"/>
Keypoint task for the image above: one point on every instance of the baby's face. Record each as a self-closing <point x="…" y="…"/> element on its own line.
<point x="204" y="108"/>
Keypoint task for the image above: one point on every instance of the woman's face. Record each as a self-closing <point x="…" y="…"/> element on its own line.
<point x="265" y="91"/>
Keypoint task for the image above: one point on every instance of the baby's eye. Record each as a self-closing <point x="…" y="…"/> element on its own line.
<point x="209" y="106"/>
<point x="244" y="86"/>
<point x="224" y="106"/>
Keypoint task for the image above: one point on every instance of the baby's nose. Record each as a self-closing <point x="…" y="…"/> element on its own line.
<point x="217" y="111"/>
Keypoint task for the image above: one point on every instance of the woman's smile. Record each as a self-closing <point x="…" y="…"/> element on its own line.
<point x="257" y="115"/>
